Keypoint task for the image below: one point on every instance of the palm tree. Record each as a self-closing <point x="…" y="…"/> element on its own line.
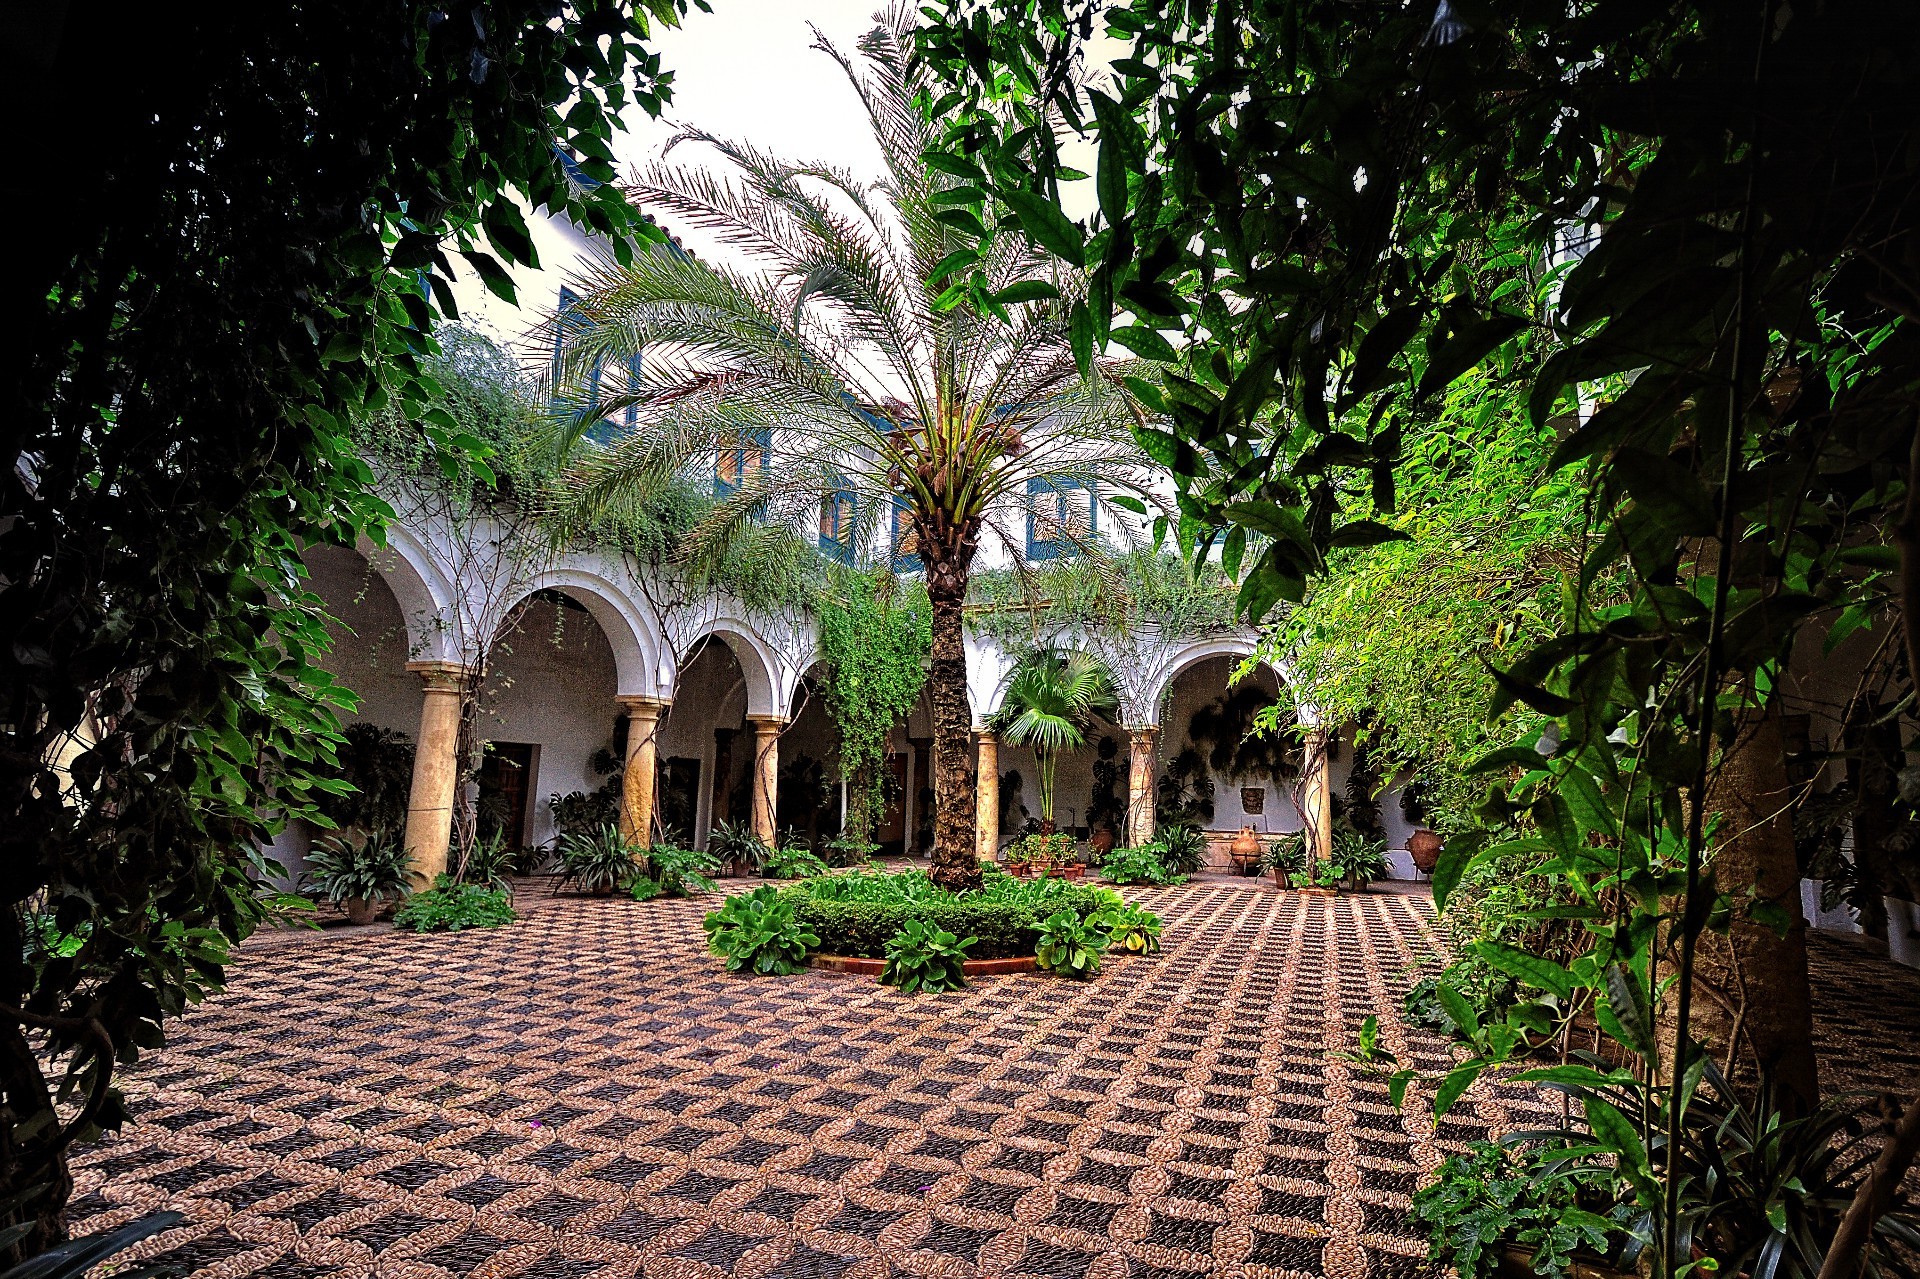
<point x="1052" y="701"/>
<point x="894" y="409"/>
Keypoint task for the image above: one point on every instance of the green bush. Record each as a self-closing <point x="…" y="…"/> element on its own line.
<point x="858" y="912"/>
<point x="1141" y="864"/>
<point x="1070" y="945"/>
<point x="924" y="958"/>
<point x="1130" y="927"/>
<point x="372" y="868"/>
<point x="736" y="842"/>
<point x="1491" y="1197"/>
<point x="1360" y="860"/>
<point x="672" y="871"/>
<point x="1286" y="853"/>
<point x="490" y="862"/>
<point x="1183" y="848"/>
<point x="759" y="932"/>
<point x="600" y="862"/>
<point x="448" y="907"/>
<point x="793" y="861"/>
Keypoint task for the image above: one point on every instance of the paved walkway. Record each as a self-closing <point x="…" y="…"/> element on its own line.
<point x="587" y="1093"/>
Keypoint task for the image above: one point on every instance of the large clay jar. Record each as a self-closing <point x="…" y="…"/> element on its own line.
<point x="1102" y="841"/>
<point x="1245" y="849"/>
<point x="1424" y="847"/>
<point x="360" y="910"/>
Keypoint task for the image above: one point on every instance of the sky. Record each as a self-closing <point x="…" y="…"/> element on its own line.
<point x="748" y="71"/>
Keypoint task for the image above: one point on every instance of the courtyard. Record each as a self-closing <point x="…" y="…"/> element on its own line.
<point x="586" y="1093"/>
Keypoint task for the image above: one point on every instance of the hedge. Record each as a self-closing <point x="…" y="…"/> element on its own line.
<point x="864" y="928"/>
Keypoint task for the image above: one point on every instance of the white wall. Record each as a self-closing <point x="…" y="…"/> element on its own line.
<point x="552" y="684"/>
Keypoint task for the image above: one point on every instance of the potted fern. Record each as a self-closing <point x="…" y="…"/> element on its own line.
<point x="358" y="873"/>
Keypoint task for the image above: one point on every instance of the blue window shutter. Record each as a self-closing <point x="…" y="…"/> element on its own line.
<point x="837" y="525"/>
<point x="905" y="551"/>
<point x="633" y="380"/>
<point x="1051" y="503"/>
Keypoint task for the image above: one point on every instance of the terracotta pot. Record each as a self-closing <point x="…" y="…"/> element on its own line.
<point x="1073" y="870"/>
<point x="360" y="910"/>
<point x="1424" y="847"/>
<point x="1245" y="850"/>
<point x="1019" y="870"/>
<point x="1103" y="841"/>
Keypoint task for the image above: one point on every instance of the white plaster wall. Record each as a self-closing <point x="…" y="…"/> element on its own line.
<point x="711" y="694"/>
<point x="369" y="639"/>
<point x="552" y="684"/>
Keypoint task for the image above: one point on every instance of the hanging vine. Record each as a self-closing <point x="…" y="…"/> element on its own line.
<point x="875" y="635"/>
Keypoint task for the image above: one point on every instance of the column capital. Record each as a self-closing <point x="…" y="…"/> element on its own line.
<point x="639" y="705"/>
<point x="442" y="677"/>
<point x="766" y="725"/>
<point x="1148" y="731"/>
<point x="985" y="735"/>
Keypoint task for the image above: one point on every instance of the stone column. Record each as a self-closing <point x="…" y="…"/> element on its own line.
<point x="643" y="758"/>
<point x="1317" y="806"/>
<point x="766" y="774"/>
<point x="435" y="768"/>
<point x="986" y="811"/>
<point x="1140" y="784"/>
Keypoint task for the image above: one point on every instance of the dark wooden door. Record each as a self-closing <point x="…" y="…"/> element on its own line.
<point x="506" y="780"/>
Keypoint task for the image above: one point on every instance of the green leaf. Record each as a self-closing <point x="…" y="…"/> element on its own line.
<point x="1133" y="504"/>
<point x="1458" y="1080"/>
<point x="1535" y="970"/>
<point x="492" y="274"/>
<point x="1026" y="291"/>
<point x="1616" y="1132"/>
<point x="1458" y="1009"/>
<point x="954" y="261"/>
<point x="1357" y="533"/>
<point x="1043" y="222"/>
<point x="1147" y="343"/>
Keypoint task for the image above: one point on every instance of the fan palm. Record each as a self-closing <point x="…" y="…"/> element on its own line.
<point x="889" y="402"/>
<point x="1052" y="701"/>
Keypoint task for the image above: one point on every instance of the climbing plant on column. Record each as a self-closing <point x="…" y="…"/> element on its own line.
<point x="875" y="636"/>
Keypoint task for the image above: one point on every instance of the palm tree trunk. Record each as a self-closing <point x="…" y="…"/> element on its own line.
<point x="955" y="864"/>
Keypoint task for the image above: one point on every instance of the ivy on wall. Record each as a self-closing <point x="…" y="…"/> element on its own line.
<point x="875" y="635"/>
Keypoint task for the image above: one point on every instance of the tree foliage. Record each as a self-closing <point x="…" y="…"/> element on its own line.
<point x="1305" y="192"/>
<point x="875" y="634"/>
<point x="257" y="233"/>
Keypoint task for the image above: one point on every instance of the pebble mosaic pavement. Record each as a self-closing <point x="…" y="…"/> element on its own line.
<point x="587" y="1095"/>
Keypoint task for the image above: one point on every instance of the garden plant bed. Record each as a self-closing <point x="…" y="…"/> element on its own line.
<point x="865" y="966"/>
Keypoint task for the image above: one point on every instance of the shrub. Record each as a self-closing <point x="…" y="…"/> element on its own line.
<point x="490" y="862"/>
<point x="1183" y="848"/>
<point x="600" y="862"/>
<point x="373" y="868"/>
<point x="1493" y="1196"/>
<point x="921" y="957"/>
<point x="1130" y="927"/>
<point x="1360" y="860"/>
<point x="1070" y="945"/>
<point x="850" y="850"/>
<point x="672" y="871"/>
<point x="450" y="906"/>
<point x="737" y="843"/>
<point x="759" y="932"/>
<point x="857" y="912"/>
<point x="794" y="861"/>
<point x="1286" y="854"/>
<point x="1141" y="864"/>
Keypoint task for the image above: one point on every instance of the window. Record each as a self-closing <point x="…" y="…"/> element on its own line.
<point x="742" y="458"/>
<point x="837" y="524"/>
<point x="571" y="324"/>
<point x="633" y="382"/>
<point x="1061" y="514"/>
<point x="906" y="540"/>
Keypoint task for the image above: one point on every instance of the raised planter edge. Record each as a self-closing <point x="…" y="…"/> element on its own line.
<point x="866" y="966"/>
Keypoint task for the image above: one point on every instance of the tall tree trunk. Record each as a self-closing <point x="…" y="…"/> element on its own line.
<point x="946" y="550"/>
<point x="955" y="864"/>
<point x="1751" y="1005"/>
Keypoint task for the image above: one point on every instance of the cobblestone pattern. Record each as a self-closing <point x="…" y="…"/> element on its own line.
<point x="586" y="1093"/>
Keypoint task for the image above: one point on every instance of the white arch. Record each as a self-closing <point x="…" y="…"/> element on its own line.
<point x="425" y="597"/>
<point x="635" y="651"/>
<point x="769" y="689"/>
<point x="989" y="670"/>
<point x="1183" y="659"/>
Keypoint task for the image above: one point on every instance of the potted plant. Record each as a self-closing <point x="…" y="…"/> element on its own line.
<point x="1051" y="702"/>
<point x="737" y="847"/>
<point x="597" y="863"/>
<point x="1018" y="864"/>
<point x="1322" y="880"/>
<point x="358" y="873"/>
<point x="1358" y="860"/>
<point x="1286" y="856"/>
